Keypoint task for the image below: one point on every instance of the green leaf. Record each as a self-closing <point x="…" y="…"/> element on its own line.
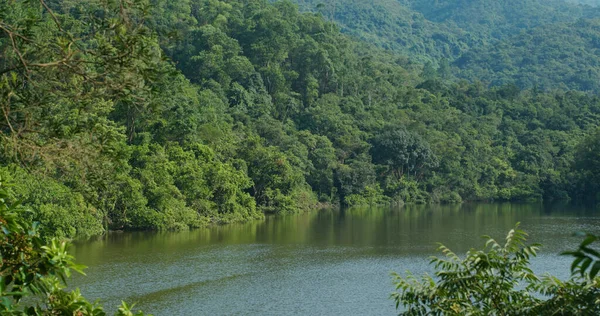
<point x="576" y="263"/>
<point x="588" y="240"/>
<point x="590" y="251"/>
<point x="586" y="263"/>
<point x="595" y="269"/>
<point x="6" y="302"/>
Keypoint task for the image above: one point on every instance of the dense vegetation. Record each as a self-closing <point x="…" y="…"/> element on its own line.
<point x="495" y="20"/>
<point x="160" y="115"/>
<point x="393" y="25"/>
<point x="497" y="280"/>
<point x="533" y="43"/>
<point x="564" y="56"/>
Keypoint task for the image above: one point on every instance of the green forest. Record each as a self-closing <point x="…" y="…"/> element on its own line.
<point x="161" y="115"/>
<point x="532" y="44"/>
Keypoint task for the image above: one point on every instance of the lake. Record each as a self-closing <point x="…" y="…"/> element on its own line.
<point x="326" y="262"/>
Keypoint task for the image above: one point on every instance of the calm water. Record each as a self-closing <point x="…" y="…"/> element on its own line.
<point x="321" y="263"/>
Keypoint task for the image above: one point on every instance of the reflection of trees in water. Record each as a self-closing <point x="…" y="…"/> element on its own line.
<point x="411" y="229"/>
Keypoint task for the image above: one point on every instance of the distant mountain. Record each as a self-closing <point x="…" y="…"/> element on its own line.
<point x="593" y="3"/>
<point x="498" y="19"/>
<point x="394" y="26"/>
<point x="544" y="43"/>
<point x="553" y="56"/>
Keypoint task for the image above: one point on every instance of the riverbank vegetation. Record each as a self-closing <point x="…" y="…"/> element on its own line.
<point x="34" y="271"/>
<point x="158" y="115"/>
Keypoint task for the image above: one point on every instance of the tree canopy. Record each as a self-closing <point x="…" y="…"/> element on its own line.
<point x="158" y="115"/>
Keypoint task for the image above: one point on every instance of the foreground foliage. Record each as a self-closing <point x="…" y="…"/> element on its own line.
<point x="497" y="280"/>
<point x="34" y="271"/>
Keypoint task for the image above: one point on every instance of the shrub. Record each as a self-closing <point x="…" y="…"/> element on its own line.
<point x="63" y="211"/>
<point x="497" y="280"/>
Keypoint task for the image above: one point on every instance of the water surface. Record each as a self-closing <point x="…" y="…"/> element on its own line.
<point x="327" y="262"/>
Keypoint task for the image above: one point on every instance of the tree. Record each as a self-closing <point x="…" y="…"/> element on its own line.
<point x="587" y="163"/>
<point x="277" y="185"/>
<point x="404" y="152"/>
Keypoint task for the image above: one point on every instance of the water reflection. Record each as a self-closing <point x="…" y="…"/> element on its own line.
<point x="324" y="262"/>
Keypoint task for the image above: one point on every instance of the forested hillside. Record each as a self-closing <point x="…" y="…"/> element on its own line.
<point x="497" y="19"/>
<point x="593" y="3"/>
<point x="557" y="56"/>
<point x="393" y="25"/>
<point x="118" y="115"/>
<point x="532" y="43"/>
